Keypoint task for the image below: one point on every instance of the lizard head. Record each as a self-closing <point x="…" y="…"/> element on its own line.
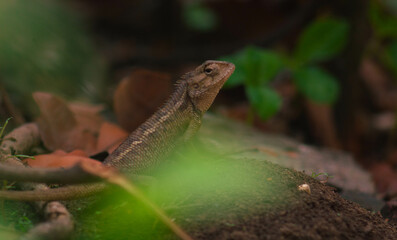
<point x="205" y="82"/>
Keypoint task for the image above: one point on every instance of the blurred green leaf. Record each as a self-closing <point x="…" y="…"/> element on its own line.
<point x="238" y="76"/>
<point x="384" y="25"/>
<point x="2" y="128"/>
<point x="8" y="233"/>
<point x="392" y="56"/>
<point x="254" y="66"/>
<point x="265" y="101"/>
<point x="260" y="66"/>
<point x="317" y="85"/>
<point x="198" y="17"/>
<point x="251" y="65"/>
<point x="321" y="40"/>
<point x="43" y="47"/>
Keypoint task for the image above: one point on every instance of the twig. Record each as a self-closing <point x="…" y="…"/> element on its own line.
<point x="72" y="175"/>
<point x="58" y="220"/>
<point x="21" y="139"/>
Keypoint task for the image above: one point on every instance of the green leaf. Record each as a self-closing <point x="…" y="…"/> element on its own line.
<point x="391" y="52"/>
<point x="254" y="66"/>
<point x="198" y="17"/>
<point x="383" y="24"/>
<point x="238" y="76"/>
<point x="44" y="47"/>
<point x="4" y="127"/>
<point x="260" y="66"/>
<point x="322" y="40"/>
<point x="265" y="101"/>
<point x="317" y="85"/>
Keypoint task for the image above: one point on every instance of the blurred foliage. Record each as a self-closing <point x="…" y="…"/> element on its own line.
<point x="197" y="172"/>
<point x="198" y="17"/>
<point x="316" y="84"/>
<point x="383" y="23"/>
<point x="8" y="234"/>
<point x="256" y="68"/>
<point x="322" y="40"/>
<point x="193" y="182"/>
<point x="383" y="18"/>
<point x="391" y="52"/>
<point x="260" y="95"/>
<point x="43" y="47"/>
<point x="2" y="128"/>
<point x="16" y="217"/>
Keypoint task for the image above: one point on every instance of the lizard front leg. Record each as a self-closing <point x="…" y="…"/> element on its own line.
<point x="193" y="127"/>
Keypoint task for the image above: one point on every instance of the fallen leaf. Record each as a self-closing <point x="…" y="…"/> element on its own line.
<point x="88" y="115"/>
<point x="61" y="128"/>
<point x="110" y="137"/>
<point x="139" y="95"/>
<point x="60" y="158"/>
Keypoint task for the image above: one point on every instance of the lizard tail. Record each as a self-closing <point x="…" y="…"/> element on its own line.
<point x="62" y="193"/>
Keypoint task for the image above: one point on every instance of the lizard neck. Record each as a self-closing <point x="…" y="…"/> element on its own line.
<point x="157" y="136"/>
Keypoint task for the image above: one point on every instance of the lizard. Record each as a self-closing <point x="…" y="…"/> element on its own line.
<point x="175" y="122"/>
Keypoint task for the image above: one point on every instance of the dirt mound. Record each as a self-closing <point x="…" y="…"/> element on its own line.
<point x="267" y="205"/>
<point x="293" y="214"/>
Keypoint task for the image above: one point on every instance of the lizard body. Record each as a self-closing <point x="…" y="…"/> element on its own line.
<point x="177" y="121"/>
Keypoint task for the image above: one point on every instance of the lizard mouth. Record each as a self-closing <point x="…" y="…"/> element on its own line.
<point x="229" y="69"/>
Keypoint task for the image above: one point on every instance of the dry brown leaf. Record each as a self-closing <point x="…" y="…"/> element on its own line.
<point x="61" y="128"/>
<point x="88" y="115"/>
<point x="60" y="158"/>
<point x="139" y="95"/>
<point x="110" y="137"/>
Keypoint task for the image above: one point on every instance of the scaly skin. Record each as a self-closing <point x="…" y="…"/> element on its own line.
<point x="177" y="121"/>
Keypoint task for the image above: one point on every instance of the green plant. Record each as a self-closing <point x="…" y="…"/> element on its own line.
<point x="3" y="128"/>
<point x="257" y="67"/>
<point x="44" y="47"/>
<point x="23" y="223"/>
<point x="316" y="175"/>
<point x="198" y="17"/>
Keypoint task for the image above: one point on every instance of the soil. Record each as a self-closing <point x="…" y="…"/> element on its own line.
<point x="250" y="199"/>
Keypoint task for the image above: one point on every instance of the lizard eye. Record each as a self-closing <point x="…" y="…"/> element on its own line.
<point x="208" y="70"/>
